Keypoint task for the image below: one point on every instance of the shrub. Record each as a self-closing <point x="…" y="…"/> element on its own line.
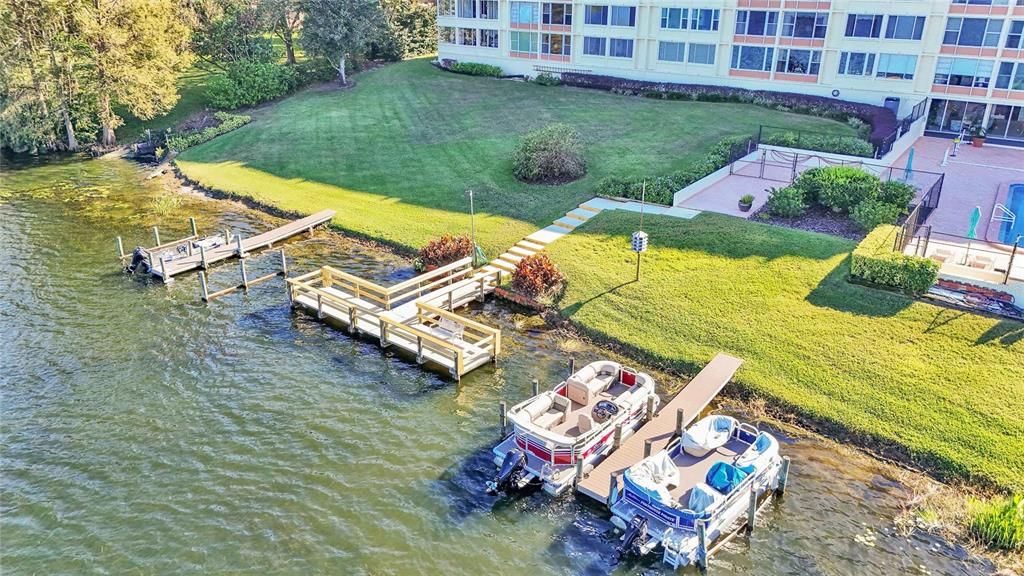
<point x="898" y="194"/>
<point x="553" y="154"/>
<point x="848" y="145"/>
<point x="786" y="202"/>
<point x="873" y="212"/>
<point x="445" y="250"/>
<point x="536" y="276"/>
<point x="228" y="122"/>
<point x="475" y="69"/>
<point x="547" y="79"/>
<point x="313" y="71"/>
<point x="843" y="187"/>
<point x="248" y="83"/>
<point x="873" y="260"/>
<point x="999" y="523"/>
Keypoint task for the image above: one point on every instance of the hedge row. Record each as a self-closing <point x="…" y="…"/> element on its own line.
<point x="661" y="188"/>
<point x="228" y="122"/>
<point x="875" y="261"/>
<point x="882" y="120"/>
<point x="848" y="145"/>
<point x="475" y="69"/>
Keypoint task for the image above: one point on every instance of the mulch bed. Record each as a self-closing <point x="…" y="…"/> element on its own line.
<point x="816" y="219"/>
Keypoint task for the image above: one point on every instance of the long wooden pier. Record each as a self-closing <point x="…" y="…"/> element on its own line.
<point x="417" y="315"/>
<point x="675" y="416"/>
<point x="234" y="247"/>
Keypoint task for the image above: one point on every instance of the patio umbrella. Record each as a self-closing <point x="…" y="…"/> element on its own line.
<point x="909" y="172"/>
<point x="972" y="230"/>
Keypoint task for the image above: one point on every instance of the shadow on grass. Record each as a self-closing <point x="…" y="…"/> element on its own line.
<point x="1006" y="332"/>
<point x="835" y="291"/>
<point x="573" y="308"/>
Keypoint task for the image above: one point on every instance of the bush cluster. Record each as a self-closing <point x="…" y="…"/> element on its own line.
<point x="873" y="260"/>
<point x="662" y="188"/>
<point x="547" y="79"/>
<point x="537" y="276"/>
<point x="551" y="155"/>
<point x="249" y="82"/>
<point x="847" y="190"/>
<point x="444" y="250"/>
<point x="228" y="122"/>
<point x="475" y="69"/>
<point x="882" y="120"/>
<point x="848" y="145"/>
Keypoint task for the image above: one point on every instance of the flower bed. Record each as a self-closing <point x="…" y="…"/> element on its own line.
<point x="228" y="122"/>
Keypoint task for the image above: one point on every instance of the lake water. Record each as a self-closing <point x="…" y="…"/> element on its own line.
<point x="143" y="431"/>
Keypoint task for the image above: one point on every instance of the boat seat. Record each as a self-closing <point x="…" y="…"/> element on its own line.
<point x="586" y="384"/>
<point x="585" y="423"/>
<point x="556" y="411"/>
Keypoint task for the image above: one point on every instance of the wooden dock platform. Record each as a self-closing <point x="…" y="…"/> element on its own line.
<point x="417" y="315"/>
<point x="692" y="400"/>
<point x="235" y="247"/>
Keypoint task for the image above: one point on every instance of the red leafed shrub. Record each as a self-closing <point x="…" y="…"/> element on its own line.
<point x="536" y="276"/>
<point x="445" y="250"/>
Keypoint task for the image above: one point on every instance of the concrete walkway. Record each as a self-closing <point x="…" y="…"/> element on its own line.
<point x="540" y="239"/>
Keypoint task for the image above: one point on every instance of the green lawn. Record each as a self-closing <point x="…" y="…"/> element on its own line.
<point x="396" y="154"/>
<point x="191" y="87"/>
<point x="947" y="385"/>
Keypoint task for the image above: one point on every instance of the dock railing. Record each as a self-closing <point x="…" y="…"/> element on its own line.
<point x="429" y="281"/>
<point x="478" y="335"/>
<point x="354" y="310"/>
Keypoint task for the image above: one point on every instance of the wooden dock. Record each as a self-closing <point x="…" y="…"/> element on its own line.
<point x="235" y="247"/>
<point x="678" y="413"/>
<point x="417" y="315"/>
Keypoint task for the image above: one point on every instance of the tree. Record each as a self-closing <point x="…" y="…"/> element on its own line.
<point x="283" y="18"/>
<point x="411" y="30"/>
<point x="26" y="120"/>
<point x="137" y="48"/>
<point x="337" y="29"/>
<point x="227" y="32"/>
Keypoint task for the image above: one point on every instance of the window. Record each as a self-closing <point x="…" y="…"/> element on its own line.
<point x="1007" y="122"/>
<point x="446" y="35"/>
<point x="489" y="9"/>
<point x="560" y="44"/>
<point x="594" y="46"/>
<point x="752" y="58"/>
<point x="557" y="14"/>
<point x="963" y="72"/>
<point x="674" y="18"/>
<point x="972" y="32"/>
<point x="446" y="8"/>
<point x="597" y="15"/>
<point x="856" y="64"/>
<point x="671" y="51"/>
<point x="489" y="38"/>
<point x="863" y="25"/>
<point x="984" y="2"/>
<point x="1014" y="37"/>
<point x="702" y="54"/>
<point x="623" y="15"/>
<point x="620" y="47"/>
<point x="804" y="24"/>
<point x="523" y="41"/>
<point x="898" y="66"/>
<point x="904" y="27"/>
<point x="467" y="8"/>
<point x="703" y="19"/>
<point x="467" y="36"/>
<point x="798" y="61"/>
<point x="757" y="23"/>
<point x="523" y="13"/>
<point x="1009" y="79"/>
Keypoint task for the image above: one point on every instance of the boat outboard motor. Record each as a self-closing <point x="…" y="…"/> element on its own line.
<point x="137" y="260"/>
<point x="510" y="474"/>
<point x="635" y="537"/>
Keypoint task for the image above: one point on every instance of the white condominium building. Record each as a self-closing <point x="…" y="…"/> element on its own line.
<point x="965" y="56"/>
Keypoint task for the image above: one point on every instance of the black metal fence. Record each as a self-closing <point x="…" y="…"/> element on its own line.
<point x="919" y="215"/>
<point x="902" y="127"/>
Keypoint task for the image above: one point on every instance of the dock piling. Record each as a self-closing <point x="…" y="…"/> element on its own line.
<point x="120" y="248"/>
<point x="227" y="236"/>
<point x="647" y="447"/>
<point x="579" y="471"/>
<point x="572" y="365"/>
<point x="202" y="257"/>
<point x="238" y="241"/>
<point x="613" y="488"/>
<point x="163" y="271"/>
<point x="320" y="306"/>
<point x="503" y="418"/>
<point x="284" y="265"/>
<point x="702" y="545"/>
<point x="156" y="235"/>
<point x="203" y="286"/>
<point x="617" y="440"/>
<point x="650" y="407"/>
<point x="680" y="420"/>
<point x="783" y="475"/>
<point x="245" y="276"/>
<point x="751" y="509"/>
<point x="192" y="224"/>
<point x="536" y="387"/>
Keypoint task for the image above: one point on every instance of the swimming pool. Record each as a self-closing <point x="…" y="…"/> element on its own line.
<point x="1008" y="231"/>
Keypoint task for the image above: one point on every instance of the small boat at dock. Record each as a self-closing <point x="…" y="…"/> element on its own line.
<point x="561" y="431"/>
<point x="690" y="493"/>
